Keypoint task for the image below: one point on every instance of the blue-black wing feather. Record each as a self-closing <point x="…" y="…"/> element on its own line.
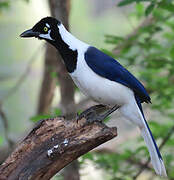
<point x="109" y="68"/>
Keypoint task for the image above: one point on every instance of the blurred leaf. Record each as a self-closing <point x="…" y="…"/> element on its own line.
<point x="53" y="74"/>
<point x="4" y="4"/>
<point x="172" y="52"/>
<point x="149" y="8"/>
<point x="79" y="111"/>
<point x="87" y="156"/>
<point x="141" y="148"/>
<point x="167" y="6"/>
<point x="139" y="9"/>
<point x="170" y="142"/>
<point x="40" y="117"/>
<point x="109" y="53"/>
<point x="57" y="112"/>
<point x="126" y="154"/>
<point x="1" y="140"/>
<point x="126" y="2"/>
<point x="113" y="39"/>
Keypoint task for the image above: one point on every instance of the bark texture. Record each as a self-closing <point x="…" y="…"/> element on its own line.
<point x="52" y="145"/>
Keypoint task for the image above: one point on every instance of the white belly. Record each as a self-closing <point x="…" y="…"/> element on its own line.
<point x="98" y="88"/>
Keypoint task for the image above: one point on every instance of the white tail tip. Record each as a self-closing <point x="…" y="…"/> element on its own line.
<point x="160" y="169"/>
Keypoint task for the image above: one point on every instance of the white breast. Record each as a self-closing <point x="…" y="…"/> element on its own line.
<point x="98" y="88"/>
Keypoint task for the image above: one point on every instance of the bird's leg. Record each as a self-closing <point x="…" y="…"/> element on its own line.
<point x="92" y="116"/>
<point x="92" y="110"/>
<point x="103" y="116"/>
<point x="107" y="113"/>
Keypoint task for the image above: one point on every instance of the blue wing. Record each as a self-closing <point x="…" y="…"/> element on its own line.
<point x="109" y="68"/>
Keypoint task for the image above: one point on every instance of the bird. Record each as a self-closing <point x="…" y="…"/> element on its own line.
<point x="102" y="78"/>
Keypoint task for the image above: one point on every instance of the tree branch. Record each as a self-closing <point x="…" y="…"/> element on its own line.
<point x="53" y="144"/>
<point x="128" y="39"/>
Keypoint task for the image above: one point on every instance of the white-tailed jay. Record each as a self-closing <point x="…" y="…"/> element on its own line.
<point x="102" y="78"/>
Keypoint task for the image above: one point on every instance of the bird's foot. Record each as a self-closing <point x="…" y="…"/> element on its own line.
<point x="91" y="110"/>
<point x="100" y="117"/>
<point x="93" y="113"/>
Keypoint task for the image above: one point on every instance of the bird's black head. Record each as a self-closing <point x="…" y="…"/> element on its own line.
<point x="46" y="28"/>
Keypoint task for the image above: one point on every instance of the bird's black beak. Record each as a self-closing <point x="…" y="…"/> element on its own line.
<point x="29" y="33"/>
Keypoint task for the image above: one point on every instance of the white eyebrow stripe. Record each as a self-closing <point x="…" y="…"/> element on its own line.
<point x="47" y="25"/>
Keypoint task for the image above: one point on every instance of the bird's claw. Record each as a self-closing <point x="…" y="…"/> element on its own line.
<point x="91" y="115"/>
<point x="94" y="116"/>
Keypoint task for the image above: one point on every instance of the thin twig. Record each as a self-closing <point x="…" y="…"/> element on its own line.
<point x="6" y="128"/>
<point x="149" y="20"/>
<point x="166" y="138"/>
<point x="123" y="12"/>
<point x="23" y="76"/>
<point x="130" y="160"/>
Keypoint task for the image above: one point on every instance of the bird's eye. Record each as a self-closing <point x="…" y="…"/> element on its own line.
<point x="45" y="29"/>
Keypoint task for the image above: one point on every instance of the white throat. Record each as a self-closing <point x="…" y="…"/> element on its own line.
<point x="70" y="40"/>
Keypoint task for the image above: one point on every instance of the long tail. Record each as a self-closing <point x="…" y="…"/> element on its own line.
<point x="155" y="155"/>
